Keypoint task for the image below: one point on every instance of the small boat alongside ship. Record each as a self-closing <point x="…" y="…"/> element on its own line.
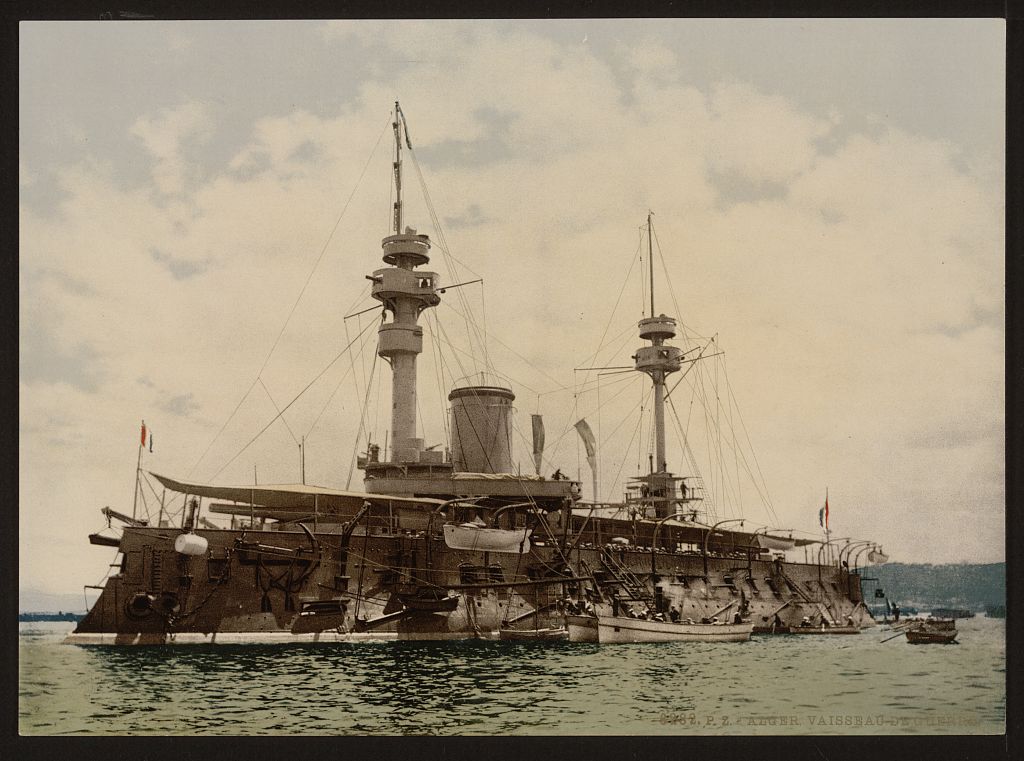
<point x="551" y="634"/>
<point x="620" y="629"/>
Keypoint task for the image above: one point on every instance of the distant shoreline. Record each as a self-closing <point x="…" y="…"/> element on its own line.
<point x="59" y="616"/>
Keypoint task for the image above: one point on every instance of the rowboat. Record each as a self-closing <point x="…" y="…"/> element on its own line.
<point x="534" y="635"/>
<point x="615" y="629"/>
<point x="933" y="631"/>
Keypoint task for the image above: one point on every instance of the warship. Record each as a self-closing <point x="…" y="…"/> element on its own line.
<point x="457" y="542"/>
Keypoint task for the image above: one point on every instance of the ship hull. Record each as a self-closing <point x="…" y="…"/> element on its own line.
<point x="290" y="586"/>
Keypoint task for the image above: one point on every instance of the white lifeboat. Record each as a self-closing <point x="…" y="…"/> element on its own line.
<point x="469" y="536"/>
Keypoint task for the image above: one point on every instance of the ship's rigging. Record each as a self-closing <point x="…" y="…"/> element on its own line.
<point x="700" y="393"/>
<point x="430" y="530"/>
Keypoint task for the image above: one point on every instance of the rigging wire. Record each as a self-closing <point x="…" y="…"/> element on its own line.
<point x="568" y="430"/>
<point x="279" y="413"/>
<point x="435" y="354"/>
<point x="362" y="418"/>
<point x="469" y="354"/>
<point x="295" y="399"/>
<point x="709" y="499"/>
<point x="753" y="454"/>
<point x="636" y="433"/>
<point x="472" y="329"/>
<point x="291" y="312"/>
<point x="362" y="347"/>
<point x="760" y="485"/>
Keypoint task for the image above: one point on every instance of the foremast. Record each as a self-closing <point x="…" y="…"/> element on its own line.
<point x="405" y="292"/>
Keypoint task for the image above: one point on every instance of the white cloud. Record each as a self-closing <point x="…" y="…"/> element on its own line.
<point x="762" y="137"/>
<point x="163" y="135"/>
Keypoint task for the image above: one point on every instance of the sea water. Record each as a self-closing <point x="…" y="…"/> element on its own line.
<point x="791" y="684"/>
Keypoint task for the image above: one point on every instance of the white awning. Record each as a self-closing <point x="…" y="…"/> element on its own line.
<point x="292" y="496"/>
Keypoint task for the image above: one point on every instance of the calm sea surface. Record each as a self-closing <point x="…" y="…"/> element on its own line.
<point x="770" y="685"/>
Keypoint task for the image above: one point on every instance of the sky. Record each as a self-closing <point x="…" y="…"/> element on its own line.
<point x="200" y="202"/>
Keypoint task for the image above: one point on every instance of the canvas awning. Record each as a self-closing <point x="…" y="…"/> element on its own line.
<point x="292" y="496"/>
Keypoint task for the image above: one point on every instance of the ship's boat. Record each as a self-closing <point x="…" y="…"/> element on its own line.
<point x="619" y="629"/>
<point x="455" y="541"/>
<point x="878" y="557"/>
<point x="469" y="536"/>
<point x="932" y="631"/>
<point x="549" y="634"/>
<point x="777" y="542"/>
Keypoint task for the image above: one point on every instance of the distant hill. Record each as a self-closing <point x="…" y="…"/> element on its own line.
<point x="923" y="585"/>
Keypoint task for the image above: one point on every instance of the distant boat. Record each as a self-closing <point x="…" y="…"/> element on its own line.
<point x="932" y="631"/>
<point x="617" y="629"/>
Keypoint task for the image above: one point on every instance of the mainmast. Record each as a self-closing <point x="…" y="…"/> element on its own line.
<point x="405" y="292"/>
<point x="658" y="360"/>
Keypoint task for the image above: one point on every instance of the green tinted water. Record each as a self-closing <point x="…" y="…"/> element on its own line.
<point x="770" y="685"/>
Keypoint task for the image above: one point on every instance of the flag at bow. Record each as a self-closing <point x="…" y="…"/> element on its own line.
<point x="142" y="442"/>
<point x="823" y="513"/>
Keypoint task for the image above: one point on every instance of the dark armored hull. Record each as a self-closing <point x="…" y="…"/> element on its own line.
<point x="374" y="583"/>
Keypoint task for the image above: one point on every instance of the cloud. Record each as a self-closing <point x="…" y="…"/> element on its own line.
<point x="472" y="217"/>
<point x="491" y="143"/>
<point x="165" y="134"/>
<point x="181" y="405"/>
<point x="181" y="269"/>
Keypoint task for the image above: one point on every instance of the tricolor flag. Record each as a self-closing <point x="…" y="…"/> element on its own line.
<point x="823" y="514"/>
<point x="142" y="443"/>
